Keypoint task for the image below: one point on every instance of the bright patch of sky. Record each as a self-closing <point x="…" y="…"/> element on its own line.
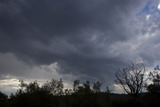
<point x="159" y="6"/>
<point x="151" y="9"/>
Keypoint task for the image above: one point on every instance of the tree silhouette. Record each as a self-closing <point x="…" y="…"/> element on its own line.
<point x="68" y="92"/>
<point x="51" y="94"/>
<point x="108" y="90"/>
<point x="97" y="86"/>
<point x="54" y="86"/>
<point x="76" y="84"/>
<point x="131" y="78"/>
<point x="86" y="87"/>
<point x="28" y="88"/>
<point x="154" y="76"/>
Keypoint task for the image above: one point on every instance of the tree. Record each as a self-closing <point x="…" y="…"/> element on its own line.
<point x="76" y="85"/>
<point x="84" y="88"/>
<point x="31" y="95"/>
<point x="60" y="87"/>
<point x="154" y="76"/>
<point x="28" y="88"/>
<point x="33" y="87"/>
<point x="97" y="86"/>
<point x="68" y="91"/>
<point x="131" y="78"/>
<point x="55" y="87"/>
<point x="108" y="90"/>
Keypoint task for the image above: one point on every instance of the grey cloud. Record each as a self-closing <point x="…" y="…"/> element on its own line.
<point x="76" y="34"/>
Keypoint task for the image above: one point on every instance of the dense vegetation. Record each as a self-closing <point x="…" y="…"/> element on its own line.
<point x="53" y="94"/>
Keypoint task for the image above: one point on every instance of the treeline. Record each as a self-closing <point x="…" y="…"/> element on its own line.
<point x="53" y="94"/>
<point x="132" y="79"/>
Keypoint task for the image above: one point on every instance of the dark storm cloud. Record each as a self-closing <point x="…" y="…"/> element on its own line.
<point x="77" y="34"/>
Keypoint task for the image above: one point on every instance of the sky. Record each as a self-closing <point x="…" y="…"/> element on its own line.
<point x="75" y="39"/>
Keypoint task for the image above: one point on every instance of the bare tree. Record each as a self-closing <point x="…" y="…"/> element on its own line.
<point x="131" y="78"/>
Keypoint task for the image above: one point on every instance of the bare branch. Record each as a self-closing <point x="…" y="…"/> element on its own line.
<point x="131" y="78"/>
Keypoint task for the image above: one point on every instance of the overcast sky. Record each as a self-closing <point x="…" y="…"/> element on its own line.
<point x="75" y="39"/>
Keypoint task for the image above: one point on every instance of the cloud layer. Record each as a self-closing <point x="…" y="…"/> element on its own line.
<point x="87" y="39"/>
